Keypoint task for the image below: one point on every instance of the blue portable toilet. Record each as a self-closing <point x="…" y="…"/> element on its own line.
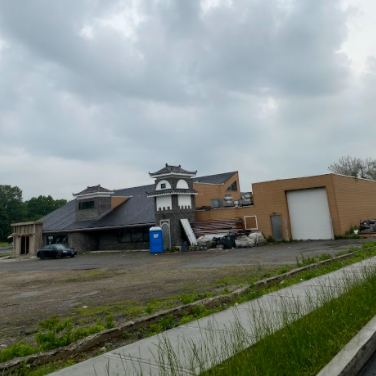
<point x="156" y="240"/>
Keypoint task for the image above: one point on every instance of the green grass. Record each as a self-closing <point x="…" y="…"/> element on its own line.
<point x="54" y="333"/>
<point x="62" y="331"/>
<point x="305" y="346"/>
<point x="5" y="254"/>
<point x="4" y="244"/>
<point x="40" y="370"/>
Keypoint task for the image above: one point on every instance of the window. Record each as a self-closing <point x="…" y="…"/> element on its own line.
<point x="250" y="222"/>
<point x="233" y="187"/>
<point x="215" y="203"/>
<point x="134" y="235"/>
<point x="163" y="186"/>
<point x="86" y="205"/>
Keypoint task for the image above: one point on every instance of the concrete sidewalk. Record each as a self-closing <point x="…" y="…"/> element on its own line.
<point x="201" y="344"/>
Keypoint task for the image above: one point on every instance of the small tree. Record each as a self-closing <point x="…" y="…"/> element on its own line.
<point x="357" y="167"/>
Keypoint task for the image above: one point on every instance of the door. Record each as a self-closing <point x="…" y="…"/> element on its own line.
<point x="277" y="227"/>
<point x="309" y="214"/>
<point x="165" y="226"/>
<point x="24" y="245"/>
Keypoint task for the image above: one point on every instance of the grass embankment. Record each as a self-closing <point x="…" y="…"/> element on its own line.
<point x="305" y="346"/>
<point x="55" y="332"/>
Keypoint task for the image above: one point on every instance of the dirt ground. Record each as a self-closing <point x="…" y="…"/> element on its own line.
<point x="89" y="286"/>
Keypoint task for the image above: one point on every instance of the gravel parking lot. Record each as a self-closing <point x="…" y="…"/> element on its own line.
<point x="32" y="290"/>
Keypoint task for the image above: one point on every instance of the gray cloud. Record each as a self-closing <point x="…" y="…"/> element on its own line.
<point x="93" y="88"/>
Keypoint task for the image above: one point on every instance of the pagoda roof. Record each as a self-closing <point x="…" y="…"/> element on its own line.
<point x="177" y="191"/>
<point x="93" y="189"/>
<point x="172" y="170"/>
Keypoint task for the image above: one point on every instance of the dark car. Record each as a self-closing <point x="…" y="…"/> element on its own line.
<point x="56" y="251"/>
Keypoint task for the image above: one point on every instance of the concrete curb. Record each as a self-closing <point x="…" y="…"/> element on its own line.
<point x="99" y="338"/>
<point x="353" y="357"/>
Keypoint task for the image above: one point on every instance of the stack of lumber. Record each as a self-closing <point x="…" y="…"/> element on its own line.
<point x="217" y="227"/>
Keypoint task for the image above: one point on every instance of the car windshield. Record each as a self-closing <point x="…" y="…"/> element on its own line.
<point x="59" y="246"/>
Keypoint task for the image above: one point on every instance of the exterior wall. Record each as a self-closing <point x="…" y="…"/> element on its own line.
<point x="83" y="241"/>
<point x="163" y="202"/>
<point x="184" y="201"/>
<point x="206" y="192"/>
<point x="270" y="199"/>
<point x="109" y="241"/>
<point x="101" y="206"/>
<point x="31" y="230"/>
<point x="356" y="200"/>
<point x="224" y="213"/>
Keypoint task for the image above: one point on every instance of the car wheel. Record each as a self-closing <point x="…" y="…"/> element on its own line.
<point x="42" y="256"/>
<point x="72" y="256"/>
<point x="58" y="255"/>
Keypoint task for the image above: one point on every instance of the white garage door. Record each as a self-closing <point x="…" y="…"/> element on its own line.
<point x="309" y="214"/>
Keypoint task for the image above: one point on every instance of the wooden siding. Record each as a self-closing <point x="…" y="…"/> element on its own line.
<point x="32" y="230"/>
<point x="116" y="201"/>
<point x="206" y="192"/>
<point x="356" y="200"/>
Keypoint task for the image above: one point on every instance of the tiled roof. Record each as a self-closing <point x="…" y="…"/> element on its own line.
<point x="138" y="209"/>
<point x="172" y="169"/>
<point x="92" y="189"/>
<point x="215" y="179"/>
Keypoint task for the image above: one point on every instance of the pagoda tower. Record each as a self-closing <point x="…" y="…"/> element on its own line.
<point x="174" y="201"/>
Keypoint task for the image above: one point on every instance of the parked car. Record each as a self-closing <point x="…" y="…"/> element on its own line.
<point x="56" y="251"/>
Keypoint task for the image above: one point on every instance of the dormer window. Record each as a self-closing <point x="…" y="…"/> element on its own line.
<point x="163" y="186"/>
<point x="86" y="205"/>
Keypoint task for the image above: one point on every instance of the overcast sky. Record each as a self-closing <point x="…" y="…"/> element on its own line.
<point x="98" y="91"/>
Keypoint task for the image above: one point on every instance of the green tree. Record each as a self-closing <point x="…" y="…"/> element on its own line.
<point x="38" y="207"/>
<point x="11" y="208"/>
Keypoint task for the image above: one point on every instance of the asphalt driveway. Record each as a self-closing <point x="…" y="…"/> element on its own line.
<point x="281" y="254"/>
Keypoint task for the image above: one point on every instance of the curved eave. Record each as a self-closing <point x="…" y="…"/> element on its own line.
<point x="171" y="193"/>
<point x="165" y="174"/>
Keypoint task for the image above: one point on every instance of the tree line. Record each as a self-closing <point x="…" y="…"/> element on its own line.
<point x="14" y="209"/>
<point x="356" y="167"/>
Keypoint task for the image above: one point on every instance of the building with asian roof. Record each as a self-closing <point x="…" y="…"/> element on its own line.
<point x="98" y="218"/>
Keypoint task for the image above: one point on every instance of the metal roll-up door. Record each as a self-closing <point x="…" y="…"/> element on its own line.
<point x="309" y="214"/>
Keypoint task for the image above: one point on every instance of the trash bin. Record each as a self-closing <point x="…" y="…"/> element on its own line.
<point x="229" y="241"/>
<point x="156" y="240"/>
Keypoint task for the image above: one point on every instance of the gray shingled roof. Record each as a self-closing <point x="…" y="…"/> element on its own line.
<point x="139" y="209"/>
<point x="215" y="179"/>
<point x="175" y="169"/>
<point x="92" y="189"/>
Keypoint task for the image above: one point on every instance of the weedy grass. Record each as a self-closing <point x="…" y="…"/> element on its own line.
<point x="59" y="332"/>
<point x="55" y="333"/>
<point x="298" y="339"/>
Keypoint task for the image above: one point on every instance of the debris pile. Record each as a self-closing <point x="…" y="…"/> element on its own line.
<point x="229" y="241"/>
<point x="218" y="227"/>
<point x="368" y="226"/>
